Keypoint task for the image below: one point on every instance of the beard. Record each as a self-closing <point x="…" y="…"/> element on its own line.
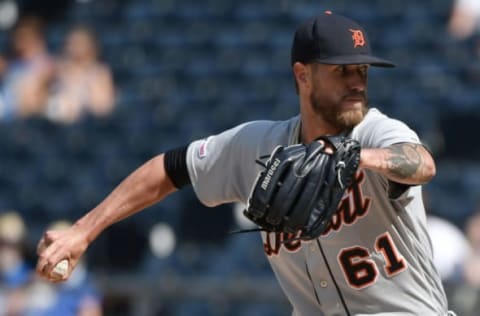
<point x="335" y="116"/>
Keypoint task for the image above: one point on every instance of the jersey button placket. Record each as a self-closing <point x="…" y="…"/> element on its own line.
<point x="321" y="279"/>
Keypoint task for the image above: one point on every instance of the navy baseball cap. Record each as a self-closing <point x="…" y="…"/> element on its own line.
<point x="333" y="39"/>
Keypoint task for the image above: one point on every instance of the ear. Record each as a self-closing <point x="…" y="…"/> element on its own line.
<point x="301" y="73"/>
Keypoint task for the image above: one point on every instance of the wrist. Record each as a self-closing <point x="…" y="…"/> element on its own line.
<point x="86" y="229"/>
<point x="370" y="158"/>
<point x="364" y="158"/>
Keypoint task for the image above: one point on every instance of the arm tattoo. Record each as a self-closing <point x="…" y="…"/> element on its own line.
<point x="404" y="160"/>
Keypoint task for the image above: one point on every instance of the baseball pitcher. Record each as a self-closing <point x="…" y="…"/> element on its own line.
<point x="335" y="191"/>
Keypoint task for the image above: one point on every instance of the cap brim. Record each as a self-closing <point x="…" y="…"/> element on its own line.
<point x="357" y="59"/>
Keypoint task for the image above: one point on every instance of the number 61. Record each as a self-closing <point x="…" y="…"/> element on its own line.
<point x="360" y="271"/>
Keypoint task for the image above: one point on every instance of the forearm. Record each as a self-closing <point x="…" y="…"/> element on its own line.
<point x="405" y="163"/>
<point x="144" y="187"/>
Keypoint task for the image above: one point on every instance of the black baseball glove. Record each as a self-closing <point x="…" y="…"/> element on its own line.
<point x="302" y="185"/>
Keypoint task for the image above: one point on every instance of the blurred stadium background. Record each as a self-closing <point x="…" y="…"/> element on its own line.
<point x="186" y="69"/>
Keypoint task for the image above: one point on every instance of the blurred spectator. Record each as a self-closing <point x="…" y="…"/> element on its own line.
<point x="83" y="84"/>
<point x="465" y="18"/>
<point x="449" y="243"/>
<point x="471" y="270"/>
<point x="465" y="297"/>
<point x="76" y="297"/>
<point x="14" y="272"/>
<point x="28" y="72"/>
<point x="450" y="248"/>
<point x="3" y="65"/>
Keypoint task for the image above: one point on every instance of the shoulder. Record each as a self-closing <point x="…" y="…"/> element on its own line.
<point x="100" y="70"/>
<point x="254" y="137"/>
<point x="264" y="131"/>
<point x="375" y="119"/>
<point x="103" y="68"/>
<point x="379" y="130"/>
<point x="43" y="62"/>
<point x="269" y="124"/>
<point x="374" y="116"/>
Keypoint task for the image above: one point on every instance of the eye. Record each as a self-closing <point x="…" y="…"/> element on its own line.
<point x="341" y="69"/>
<point x="363" y="70"/>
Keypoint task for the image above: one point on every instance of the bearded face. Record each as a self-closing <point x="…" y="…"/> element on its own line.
<point x="339" y="94"/>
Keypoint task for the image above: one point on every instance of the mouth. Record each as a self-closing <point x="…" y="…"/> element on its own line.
<point x="355" y="97"/>
<point x="356" y="100"/>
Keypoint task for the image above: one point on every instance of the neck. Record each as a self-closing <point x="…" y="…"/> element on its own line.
<point x="313" y="125"/>
<point x="33" y="53"/>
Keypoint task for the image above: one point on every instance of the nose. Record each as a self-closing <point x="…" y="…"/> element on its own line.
<point x="356" y="80"/>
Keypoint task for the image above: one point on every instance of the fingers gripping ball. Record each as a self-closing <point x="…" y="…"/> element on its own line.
<point x="61" y="269"/>
<point x="302" y="185"/>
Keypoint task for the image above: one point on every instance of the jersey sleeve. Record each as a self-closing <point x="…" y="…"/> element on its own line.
<point x="380" y="131"/>
<point x="221" y="166"/>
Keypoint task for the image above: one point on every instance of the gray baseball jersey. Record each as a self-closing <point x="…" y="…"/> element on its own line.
<point x="375" y="257"/>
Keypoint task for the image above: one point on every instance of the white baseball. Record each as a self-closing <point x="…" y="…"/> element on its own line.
<point x="61" y="269"/>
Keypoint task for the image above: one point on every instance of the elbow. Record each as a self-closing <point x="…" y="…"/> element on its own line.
<point x="430" y="170"/>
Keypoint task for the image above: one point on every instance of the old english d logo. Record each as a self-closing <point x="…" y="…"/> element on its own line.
<point x="358" y="39"/>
